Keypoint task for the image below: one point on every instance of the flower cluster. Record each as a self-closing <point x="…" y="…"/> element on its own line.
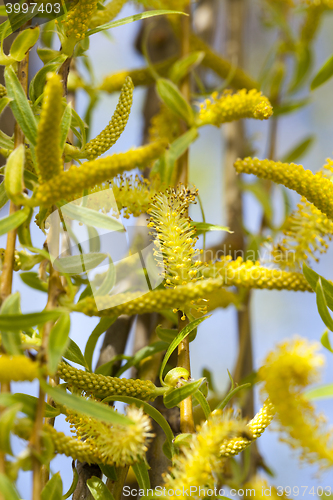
<point x="48" y="152"/>
<point x="164" y="124"/>
<point x="287" y="371"/>
<point x="116" y="444"/>
<point x="314" y="187"/>
<point x="17" y="369"/>
<point x="229" y="107"/>
<point x="116" y="126"/>
<point x="110" y="11"/>
<point x="101" y="386"/>
<point x="3" y="91"/>
<point x="78" y="19"/>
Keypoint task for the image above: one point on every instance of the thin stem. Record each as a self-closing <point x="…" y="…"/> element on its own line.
<point x="116" y="487"/>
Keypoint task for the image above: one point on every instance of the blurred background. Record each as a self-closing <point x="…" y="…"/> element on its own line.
<point x="275" y="315"/>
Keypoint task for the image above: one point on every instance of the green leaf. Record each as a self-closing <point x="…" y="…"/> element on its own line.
<point x="322" y="306"/>
<point x="78" y="122"/>
<point x="6" y="141"/>
<point x="177" y="340"/>
<point x="131" y="19"/>
<point x="53" y="488"/>
<point x="174" y="397"/>
<point x="11" y="340"/>
<point x="73" y="353"/>
<point x="65" y="125"/>
<point x="23" y="43"/>
<point x="20" y="106"/>
<point x="7" y="420"/>
<point x="166" y="334"/>
<point x="7" y="489"/>
<point x="322" y="392"/>
<point x="108" y="282"/>
<point x="289" y="107"/>
<point x="142" y="354"/>
<point x="184" y="65"/>
<point x="208" y="375"/>
<point x="94" y="240"/>
<point x="324" y="74"/>
<point x="23" y="231"/>
<point x="37" y="84"/>
<point x="172" y="97"/>
<point x="4" y="101"/>
<point x="3" y="197"/>
<point x="33" y="281"/>
<point x="91" y="217"/>
<point x="58" y="341"/>
<point x="203" y="403"/>
<point x="28" y="404"/>
<point x="98" y="489"/>
<point x="23" y="321"/>
<point x="78" y="264"/>
<point x="47" y="55"/>
<point x="109" y="471"/>
<point x="204" y="227"/>
<point x="230" y="394"/>
<point x="14" y="174"/>
<point x="88" y="407"/>
<point x="303" y="65"/>
<point x="140" y="470"/>
<point x="102" y="326"/>
<point x="311" y="276"/>
<point x="299" y="150"/>
<point x="74" y="483"/>
<point x="325" y="341"/>
<point x="151" y="411"/>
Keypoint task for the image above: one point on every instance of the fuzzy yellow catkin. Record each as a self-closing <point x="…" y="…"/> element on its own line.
<point x="164" y="124"/>
<point x="200" y="460"/>
<point x="258" y="487"/>
<point x="286" y="372"/>
<point x="90" y="173"/>
<point x="48" y="152"/>
<point x="78" y="18"/>
<point x="306" y="232"/>
<point x="17" y="369"/>
<point x="101" y="386"/>
<point x="116" y="126"/>
<point x="229" y="107"/>
<point x="314" y="187"/>
<point x="251" y="274"/>
<point x="106" y="15"/>
<point x="117" y="445"/>
<point x="256" y="427"/>
<point x="3" y="91"/>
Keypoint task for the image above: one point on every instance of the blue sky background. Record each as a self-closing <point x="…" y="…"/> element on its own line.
<point x="275" y="315"/>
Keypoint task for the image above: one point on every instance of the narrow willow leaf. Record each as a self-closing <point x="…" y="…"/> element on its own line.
<point x="322" y="392"/>
<point x="98" y="489"/>
<point x="172" y="97"/>
<point x="230" y="394"/>
<point x="177" y="340"/>
<point x="289" y="107"/>
<point x="299" y="150"/>
<point x="108" y="282"/>
<point x="11" y="340"/>
<point x="311" y="276"/>
<point x="7" y="489"/>
<point x="166" y="334"/>
<point x="14" y="173"/>
<point x="37" y="84"/>
<point x="91" y="217"/>
<point x="73" y="353"/>
<point x="20" y="106"/>
<point x="6" y="141"/>
<point x="88" y="407"/>
<point x="23" y="231"/>
<point x="74" y="483"/>
<point x="182" y="67"/>
<point x="23" y="43"/>
<point x="78" y="264"/>
<point x="324" y="74"/>
<point x="322" y="306"/>
<point x="58" y="341"/>
<point x="131" y="19"/>
<point x="28" y="404"/>
<point x="109" y="471"/>
<point x="77" y="121"/>
<point x="140" y="470"/>
<point x="4" y="101"/>
<point x="204" y="227"/>
<point x="7" y="420"/>
<point x="203" y="403"/>
<point x="3" y="196"/>
<point x="174" y="397"/>
<point x="32" y="280"/>
<point x="102" y="326"/>
<point x="65" y="125"/>
<point x="303" y="65"/>
<point x="176" y="150"/>
<point x="53" y="488"/>
<point x="94" y="239"/>
<point x="325" y="341"/>
<point x="23" y="321"/>
<point x="142" y="354"/>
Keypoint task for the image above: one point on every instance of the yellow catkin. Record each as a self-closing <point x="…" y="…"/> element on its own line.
<point x="259" y="488"/>
<point x="3" y="91"/>
<point x="48" y="152"/>
<point x="117" y="445"/>
<point x="17" y="369"/>
<point x="229" y="107"/>
<point x="200" y="460"/>
<point x="90" y="173"/>
<point x="78" y="18"/>
<point x="112" y="9"/>
<point x="116" y="126"/>
<point x="314" y="187"/>
<point x="252" y="275"/>
<point x="256" y="427"/>
<point x="164" y="124"/>
<point x="101" y="386"/>
<point x="286" y="372"/>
